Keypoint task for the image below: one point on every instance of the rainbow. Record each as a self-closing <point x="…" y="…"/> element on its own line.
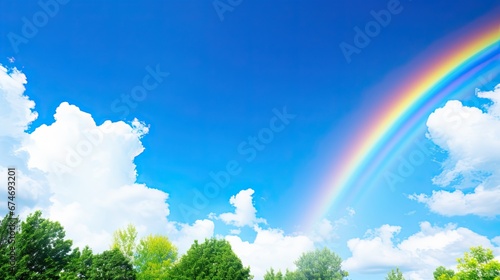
<point x="393" y="125"/>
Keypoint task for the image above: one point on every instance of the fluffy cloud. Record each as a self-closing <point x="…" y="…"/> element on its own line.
<point x="91" y="174"/>
<point x="17" y="109"/>
<point x="482" y="202"/>
<point x="244" y="213"/>
<point x="271" y="248"/>
<point x="183" y="235"/>
<point x="418" y="255"/>
<point x="16" y="114"/>
<point x="82" y="174"/>
<point x="471" y="139"/>
<point x="325" y="231"/>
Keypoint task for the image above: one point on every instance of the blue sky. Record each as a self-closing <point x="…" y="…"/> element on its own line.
<point x="215" y="79"/>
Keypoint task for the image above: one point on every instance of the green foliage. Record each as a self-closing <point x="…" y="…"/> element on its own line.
<point x="6" y="248"/>
<point x="441" y="273"/>
<point x="478" y="264"/>
<point x="271" y="275"/>
<point x="111" y="265"/>
<point x="320" y="264"/>
<point x="154" y="257"/>
<point x="80" y="265"/>
<point x="42" y="250"/>
<point x="212" y="260"/>
<point x="125" y="241"/>
<point x="395" y="275"/>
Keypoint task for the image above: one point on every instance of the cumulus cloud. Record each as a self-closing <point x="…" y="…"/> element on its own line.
<point x="17" y="109"/>
<point x="82" y="174"/>
<point x="244" y="212"/>
<point x="325" y="231"/>
<point x="418" y="255"/>
<point x="471" y="138"/>
<point x="183" y="235"/>
<point x="16" y="115"/>
<point x="92" y="176"/>
<point x="271" y="248"/>
<point x="481" y="202"/>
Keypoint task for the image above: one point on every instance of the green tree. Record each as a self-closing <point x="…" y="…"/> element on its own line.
<point x="111" y="265"/>
<point x="212" y="260"/>
<point x="441" y="273"/>
<point x="270" y="275"/>
<point x="8" y="227"/>
<point x="154" y="257"/>
<point x="125" y="241"/>
<point x="80" y="265"/>
<point x="395" y="275"/>
<point x="42" y="250"/>
<point x="320" y="264"/>
<point x="478" y="264"/>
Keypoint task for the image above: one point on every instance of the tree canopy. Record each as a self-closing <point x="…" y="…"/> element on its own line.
<point x="41" y="251"/>
<point x="111" y="265"/>
<point x="478" y="264"/>
<point x="154" y="257"/>
<point x="41" y="248"/>
<point x="395" y="274"/>
<point x="272" y="275"/>
<point x="7" y="228"/>
<point x="318" y="264"/>
<point x="211" y="260"/>
<point x="125" y="241"/>
<point x="441" y="273"/>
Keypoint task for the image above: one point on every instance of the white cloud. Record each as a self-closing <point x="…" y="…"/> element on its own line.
<point x="325" y="231"/>
<point x="82" y="174"/>
<point x="481" y="202"/>
<point x="184" y="237"/>
<point x="496" y="240"/>
<point x="16" y="114"/>
<point x="350" y="211"/>
<point x="17" y="109"/>
<point x="235" y="231"/>
<point x="418" y="255"/>
<point x="91" y="174"/>
<point x="271" y="248"/>
<point x="244" y="213"/>
<point x="471" y="139"/>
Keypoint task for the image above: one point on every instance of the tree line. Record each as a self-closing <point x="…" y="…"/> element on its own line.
<point x="477" y="264"/>
<point x="40" y="250"/>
